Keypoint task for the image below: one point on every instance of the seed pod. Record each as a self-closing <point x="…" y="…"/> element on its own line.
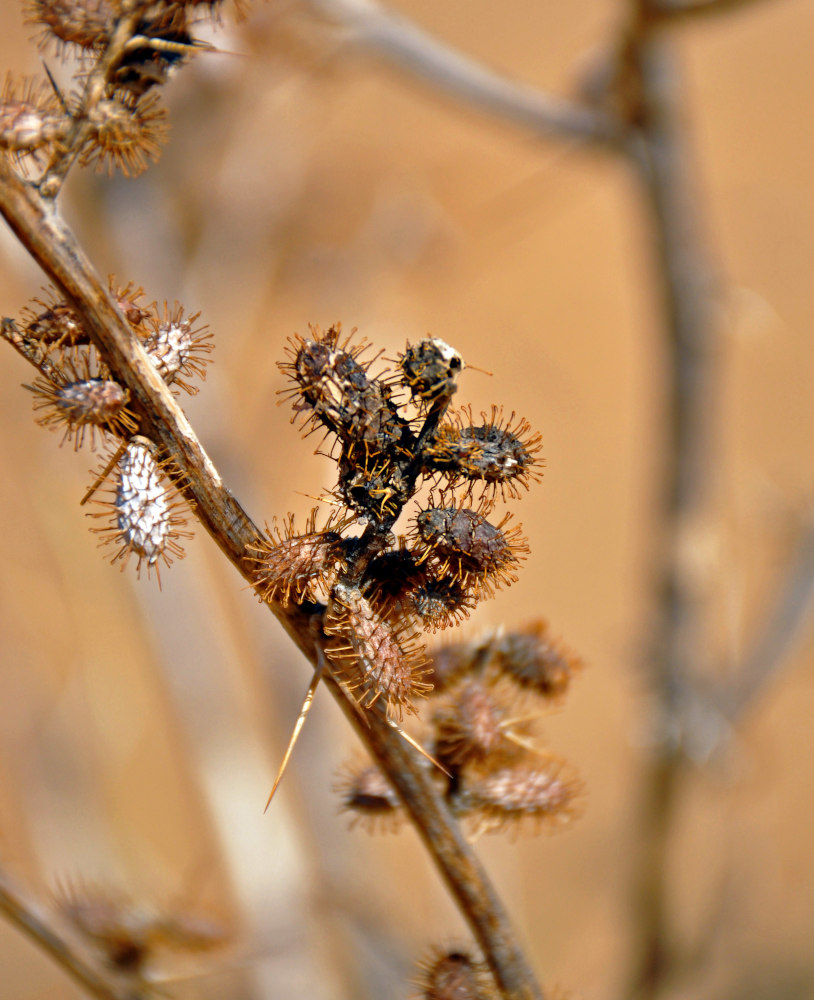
<point x="176" y="349"/>
<point x="449" y="663"/>
<point x="78" y="402"/>
<point x="56" y="323"/>
<point x="84" y="23"/>
<point x="327" y="374"/>
<point x="291" y="567"/>
<point x="126" y="134"/>
<point x="430" y="370"/>
<point x="147" y="508"/>
<point x="129" y="934"/>
<point x="31" y="117"/>
<point x="391" y="578"/>
<point x="399" y="587"/>
<point x="454" y="975"/>
<point x="499" y="455"/>
<point x="471" y="725"/>
<point x="465" y="545"/>
<point x="535" y="660"/>
<point x="367" y="794"/>
<point x="441" y="603"/>
<point x="336" y="390"/>
<point x="543" y="793"/>
<point x="127" y="299"/>
<point x="370" y="483"/>
<point x="373" y="655"/>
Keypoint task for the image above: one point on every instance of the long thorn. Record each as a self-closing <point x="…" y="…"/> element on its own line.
<point x="104" y="473"/>
<point x="417" y="746"/>
<point x="306" y="708"/>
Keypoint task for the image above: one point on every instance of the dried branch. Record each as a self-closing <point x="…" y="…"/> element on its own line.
<point x="404" y="45"/>
<point x="781" y="630"/>
<point x="49" y="241"/>
<point x="659" y="155"/>
<point x="675" y="10"/>
<point x="29" y="916"/>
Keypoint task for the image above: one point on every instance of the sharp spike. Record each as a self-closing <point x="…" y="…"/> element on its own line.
<point x="105" y="473"/>
<point x="306" y="708"/>
<point x="417" y="746"/>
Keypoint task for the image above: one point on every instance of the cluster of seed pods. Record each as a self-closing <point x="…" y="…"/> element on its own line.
<point x="121" y="124"/>
<point x="393" y="438"/>
<point x="138" y="502"/>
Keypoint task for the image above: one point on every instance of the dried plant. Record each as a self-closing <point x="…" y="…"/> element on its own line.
<point x="357" y="596"/>
<point x="416" y="534"/>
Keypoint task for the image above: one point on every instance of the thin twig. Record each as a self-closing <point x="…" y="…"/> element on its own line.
<point x="674" y="10"/>
<point x="49" y="241"/>
<point x="403" y="44"/>
<point x="659" y="155"/>
<point x="29" y="916"/>
<point x="790" y="613"/>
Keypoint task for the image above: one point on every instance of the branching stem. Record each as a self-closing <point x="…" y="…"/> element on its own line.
<point x="49" y="241"/>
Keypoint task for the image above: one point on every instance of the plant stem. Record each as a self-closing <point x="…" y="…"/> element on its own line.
<point x="40" y="926"/>
<point x="49" y="241"/>
<point x="659" y="156"/>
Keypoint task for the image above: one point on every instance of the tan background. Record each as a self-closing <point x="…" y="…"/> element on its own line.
<point x="139" y="730"/>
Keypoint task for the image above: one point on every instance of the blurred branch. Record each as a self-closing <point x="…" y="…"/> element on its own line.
<point x="793" y="605"/>
<point x="49" y="241"/>
<point x="660" y="157"/>
<point x="406" y="46"/>
<point x="677" y="9"/>
<point x="29" y="916"/>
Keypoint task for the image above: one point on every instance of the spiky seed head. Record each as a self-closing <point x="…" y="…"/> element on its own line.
<point x="55" y="322"/>
<point x="430" y="370"/>
<point x="31" y="117"/>
<point x="534" y="659"/>
<point x="110" y="922"/>
<point x="454" y="975"/>
<point x="463" y="543"/>
<point x="129" y="934"/>
<point x="126" y="134"/>
<point x="441" y="603"/>
<point x="146" y="507"/>
<point x="177" y="348"/>
<point x="391" y="578"/>
<point x="499" y="455"/>
<point x="470" y="725"/>
<point x="371" y="655"/>
<point x="366" y="793"/>
<point x="325" y="365"/>
<point x="83" y="23"/>
<point x="334" y="388"/>
<point x="78" y="403"/>
<point x="542" y="793"/>
<point x="127" y="299"/>
<point x="449" y="663"/>
<point x="292" y="567"/>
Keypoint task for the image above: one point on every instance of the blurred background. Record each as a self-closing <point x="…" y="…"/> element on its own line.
<point x="303" y="183"/>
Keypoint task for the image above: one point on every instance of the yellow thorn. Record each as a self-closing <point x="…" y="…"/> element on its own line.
<point x="306" y="707"/>
<point x="417" y="746"/>
<point x="104" y="473"/>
